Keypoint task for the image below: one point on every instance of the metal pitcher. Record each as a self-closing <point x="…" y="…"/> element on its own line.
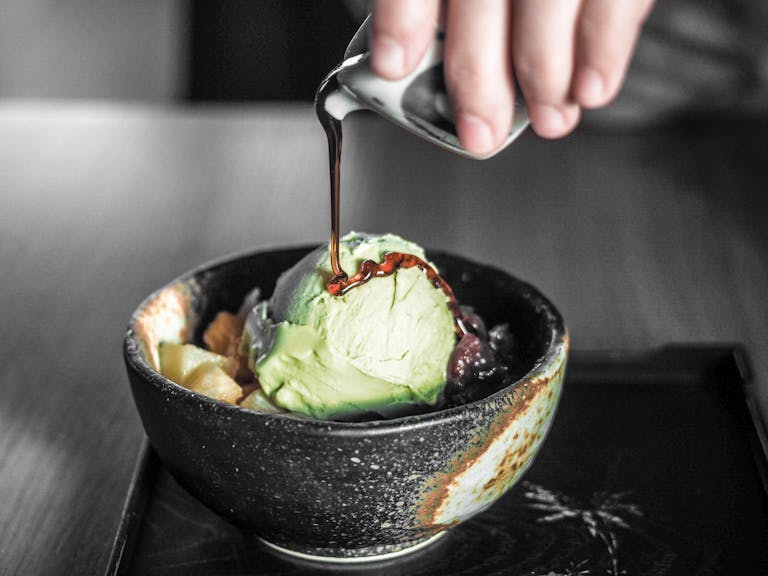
<point x="419" y="102"/>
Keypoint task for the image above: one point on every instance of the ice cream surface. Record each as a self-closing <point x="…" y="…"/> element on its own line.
<point x="382" y="347"/>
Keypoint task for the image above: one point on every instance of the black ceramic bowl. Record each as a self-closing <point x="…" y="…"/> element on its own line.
<point x="344" y="490"/>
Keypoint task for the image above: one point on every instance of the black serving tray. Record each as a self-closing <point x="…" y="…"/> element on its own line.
<point x="656" y="464"/>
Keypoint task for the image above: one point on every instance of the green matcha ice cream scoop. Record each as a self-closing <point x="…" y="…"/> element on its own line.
<point x="383" y="347"/>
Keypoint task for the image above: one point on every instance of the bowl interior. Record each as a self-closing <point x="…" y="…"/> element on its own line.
<point x="182" y="310"/>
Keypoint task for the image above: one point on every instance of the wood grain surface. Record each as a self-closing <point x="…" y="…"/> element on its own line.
<point x="640" y="238"/>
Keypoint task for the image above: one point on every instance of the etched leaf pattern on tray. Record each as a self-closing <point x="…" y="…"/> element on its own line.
<point x="600" y="516"/>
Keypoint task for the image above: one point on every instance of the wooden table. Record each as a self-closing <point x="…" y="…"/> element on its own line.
<point x="641" y="239"/>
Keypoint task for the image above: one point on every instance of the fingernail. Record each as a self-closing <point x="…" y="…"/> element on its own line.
<point x="590" y="88"/>
<point x="388" y="57"/>
<point x="547" y="120"/>
<point x="475" y="134"/>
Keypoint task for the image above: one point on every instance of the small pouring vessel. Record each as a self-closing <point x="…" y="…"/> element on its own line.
<point x="419" y="102"/>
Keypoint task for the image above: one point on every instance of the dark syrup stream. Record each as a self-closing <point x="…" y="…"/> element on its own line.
<point x="341" y="283"/>
<point x="332" y="127"/>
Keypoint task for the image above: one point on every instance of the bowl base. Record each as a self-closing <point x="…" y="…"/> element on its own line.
<point x="355" y="555"/>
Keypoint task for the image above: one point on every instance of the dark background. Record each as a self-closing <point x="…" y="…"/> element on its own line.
<point x="706" y="59"/>
<point x="241" y="50"/>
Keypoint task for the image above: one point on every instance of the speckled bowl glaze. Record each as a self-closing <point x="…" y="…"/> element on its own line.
<point x="341" y="490"/>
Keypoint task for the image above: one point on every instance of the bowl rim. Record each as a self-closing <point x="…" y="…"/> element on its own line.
<point x="553" y="358"/>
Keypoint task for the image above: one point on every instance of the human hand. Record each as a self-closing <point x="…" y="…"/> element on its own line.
<point x="566" y="55"/>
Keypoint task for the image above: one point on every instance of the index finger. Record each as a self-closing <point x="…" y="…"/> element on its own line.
<point x="402" y="30"/>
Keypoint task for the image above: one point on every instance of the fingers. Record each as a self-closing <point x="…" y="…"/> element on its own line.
<point x="478" y="72"/>
<point x="567" y="55"/>
<point x="543" y="50"/>
<point x="402" y="30"/>
<point x="607" y="32"/>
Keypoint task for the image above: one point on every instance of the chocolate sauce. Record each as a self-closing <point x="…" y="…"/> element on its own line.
<point x="394" y="261"/>
<point x="341" y="283"/>
<point x="332" y="127"/>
